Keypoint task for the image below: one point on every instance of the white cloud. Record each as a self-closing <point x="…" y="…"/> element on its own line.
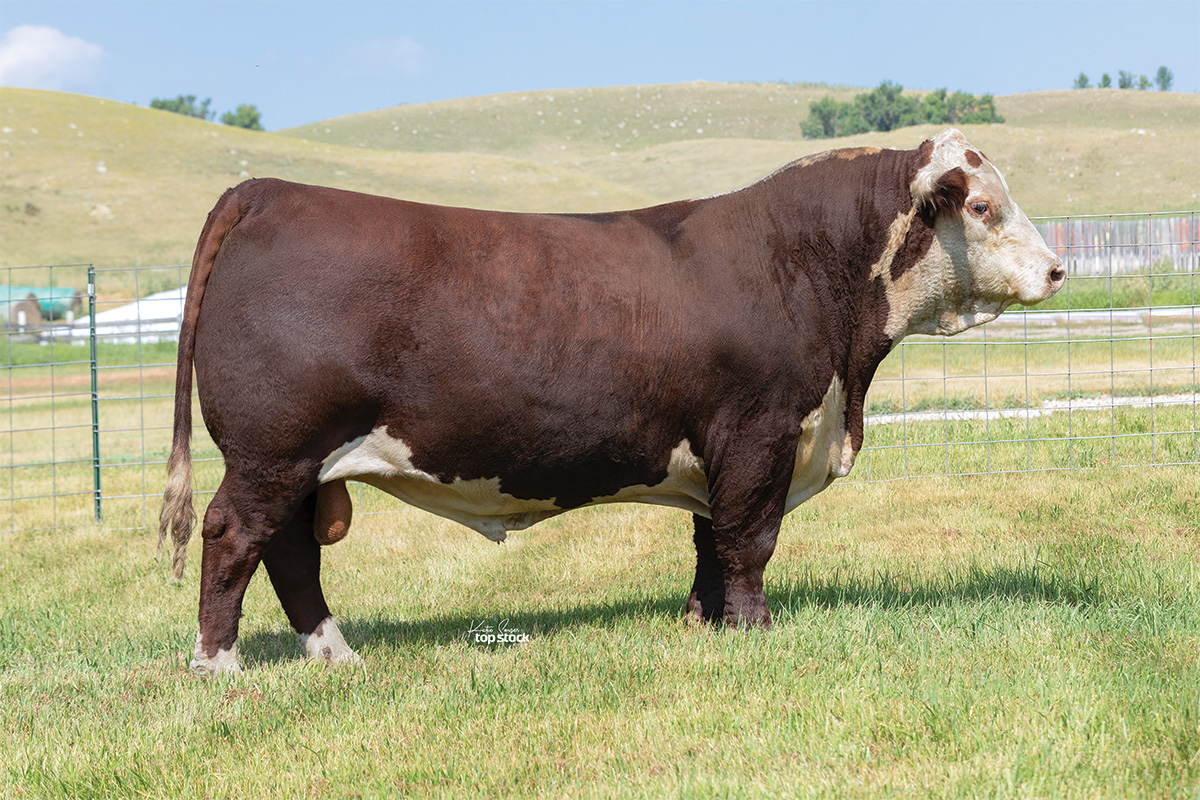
<point x="41" y="57"/>
<point x="400" y="57"/>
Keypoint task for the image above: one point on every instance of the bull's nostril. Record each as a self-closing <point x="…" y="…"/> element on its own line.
<point x="1057" y="275"/>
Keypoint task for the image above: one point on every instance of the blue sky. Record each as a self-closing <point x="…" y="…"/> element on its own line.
<point x="301" y="61"/>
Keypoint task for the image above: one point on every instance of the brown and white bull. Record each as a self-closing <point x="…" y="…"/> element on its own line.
<point x="498" y="368"/>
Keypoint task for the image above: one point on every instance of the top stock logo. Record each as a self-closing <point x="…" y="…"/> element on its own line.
<point x="501" y="633"/>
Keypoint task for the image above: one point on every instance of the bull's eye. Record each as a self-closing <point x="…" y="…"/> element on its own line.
<point x="980" y="208"/>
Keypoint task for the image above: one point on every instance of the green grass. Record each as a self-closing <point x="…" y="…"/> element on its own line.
<point x="1116" y="437"/>
<point x="1155" y="286"/>
<point x="108" y="354"/>
<point x="932" y="639"/>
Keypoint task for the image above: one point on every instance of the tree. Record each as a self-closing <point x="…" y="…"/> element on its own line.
<point x="1164" y="78"/>
<point x="1105" y="81"/>
<point x="967" y="109"/>
<point x="186" y="105"/>
<point x="885" y="108"/>
<point x="822" y="119"/>
<point x="933" y="107"/>
<point x="246" y="116"/>
<point x="1125" y="79"/>
<point x="980" y="111"/>
<point x="1081" y="82"/>
<point x="828" y="118"/>
<point x="1143" y="83"/>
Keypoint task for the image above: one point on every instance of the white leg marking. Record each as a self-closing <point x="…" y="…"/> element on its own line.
<point x="225" y="661"/>
<point x="326" y="644"/>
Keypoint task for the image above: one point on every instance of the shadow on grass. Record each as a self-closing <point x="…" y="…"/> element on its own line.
<point x="436" y="631"/>
<point x="787" y="597"/>
<point x="1030" y="582"/>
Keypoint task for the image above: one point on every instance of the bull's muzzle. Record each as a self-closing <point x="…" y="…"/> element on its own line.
<point x="1056" y="276"/>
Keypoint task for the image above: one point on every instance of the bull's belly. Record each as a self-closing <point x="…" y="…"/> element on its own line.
<point x="480" y="504"/>
<point x="823" y="454"/>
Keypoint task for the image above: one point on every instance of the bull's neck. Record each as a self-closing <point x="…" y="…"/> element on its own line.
<point x="846" y="230"/>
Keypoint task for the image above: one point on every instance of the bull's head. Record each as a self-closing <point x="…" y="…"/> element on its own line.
<point x="985" y="254"/>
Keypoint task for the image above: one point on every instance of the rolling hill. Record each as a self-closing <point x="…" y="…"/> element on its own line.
<point x="1065" y="152"/>
<point x="117" y="185"/>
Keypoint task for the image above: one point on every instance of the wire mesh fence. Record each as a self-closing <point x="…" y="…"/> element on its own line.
<point x="47" y="460"/>
<point x="1103" y="374"/>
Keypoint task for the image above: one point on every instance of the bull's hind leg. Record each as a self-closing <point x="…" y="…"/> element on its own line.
<point x="232" y="547"/>
<point x="293" y="562"/>
<point x="245" y="516"/>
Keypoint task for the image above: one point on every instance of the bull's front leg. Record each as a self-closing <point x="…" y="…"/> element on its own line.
<point x="707" y="600"/>
<point x="748" y="492"/>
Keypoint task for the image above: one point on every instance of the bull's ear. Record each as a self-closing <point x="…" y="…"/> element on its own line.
<point x="947" y="194"/>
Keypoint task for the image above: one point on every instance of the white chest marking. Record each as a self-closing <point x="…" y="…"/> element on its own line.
<point x="825" y="451"/>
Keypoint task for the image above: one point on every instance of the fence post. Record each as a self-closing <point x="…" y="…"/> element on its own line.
<point x="91" y="288"/>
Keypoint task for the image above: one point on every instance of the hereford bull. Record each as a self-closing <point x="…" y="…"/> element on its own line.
<point x="500" y="368"/>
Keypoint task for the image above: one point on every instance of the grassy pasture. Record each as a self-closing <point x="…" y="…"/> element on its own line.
<point x="1080" y="152"/>
<point x="93" y="181"/>
<point x="933" y="638"/>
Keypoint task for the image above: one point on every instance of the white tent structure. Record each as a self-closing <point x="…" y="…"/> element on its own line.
<point x="154" y="318"/>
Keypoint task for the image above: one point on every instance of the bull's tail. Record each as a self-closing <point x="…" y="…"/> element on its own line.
<point x="178" y="515"/>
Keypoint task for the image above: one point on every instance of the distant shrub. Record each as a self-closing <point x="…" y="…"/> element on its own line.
<point x="1164" y="78"/>
<point x="828" y="118"/>
<point x="246" y="116"/>
<point x="186" y="105"/>
<point x="886" y="108"/>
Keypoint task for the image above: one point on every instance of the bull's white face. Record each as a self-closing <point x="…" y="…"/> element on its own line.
<point x="986" y="254"/>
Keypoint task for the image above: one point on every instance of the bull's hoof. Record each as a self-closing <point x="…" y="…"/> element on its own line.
<point x="704" y="609"/>
<point x="224" y="662"/>
<point x="326" y="645"/>
<point x="749" y="621"/>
